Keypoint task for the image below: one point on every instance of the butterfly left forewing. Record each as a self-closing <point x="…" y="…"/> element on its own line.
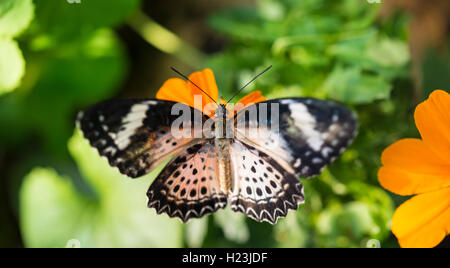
<point x="303" y="134"/>
<point x="135" y="134"/>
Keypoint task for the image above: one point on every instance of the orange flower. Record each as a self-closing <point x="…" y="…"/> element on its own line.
<point x="421" y="167"/>
<point x="178" y="90"/>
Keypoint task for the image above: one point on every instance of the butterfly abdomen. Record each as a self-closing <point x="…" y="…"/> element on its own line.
<point x="223" y="146"/>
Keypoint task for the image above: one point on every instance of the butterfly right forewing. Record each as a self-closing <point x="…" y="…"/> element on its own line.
<point x="303" y="134"/>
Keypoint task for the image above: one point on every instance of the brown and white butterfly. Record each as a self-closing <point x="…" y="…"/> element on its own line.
<point x="255" y="176"/>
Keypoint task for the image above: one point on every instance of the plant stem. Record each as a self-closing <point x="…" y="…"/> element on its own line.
<point x="164" y="40"/>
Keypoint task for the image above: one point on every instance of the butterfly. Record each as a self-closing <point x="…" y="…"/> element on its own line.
<point x="253" y="174"/>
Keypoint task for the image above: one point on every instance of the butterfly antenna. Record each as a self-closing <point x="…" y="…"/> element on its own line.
<point x="185" y="77"/>
<point x="254" y="78"/>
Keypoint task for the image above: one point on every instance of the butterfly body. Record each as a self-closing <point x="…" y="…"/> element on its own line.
<point x="228" y="165"/>
<point x="222" y="144"/>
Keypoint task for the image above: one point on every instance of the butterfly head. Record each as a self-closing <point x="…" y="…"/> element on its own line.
<point x="221" y="111"/>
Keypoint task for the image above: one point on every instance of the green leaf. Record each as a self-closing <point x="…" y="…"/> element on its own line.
<point x="353" y="50"/>
<point x="387" y="52"/>
<point x="233" y="225"/>
<point x="244" y="23"/>
<point x="12" y="65"/>
<point x="384" y="56"/>
<point x="45" y="199"/>
<point x="350" y="85"/>
<point x="358" y="217"/>
<point x="308" y="57"/>
<point x="380" y="206"/>
<point x="346" y="225"/>
<point x="271" y="10"/>
<point x="55" y="214"/>
<point x="73" y="76"/>
<point x="15" y="16"/>
<point x="67" y="22"/>
<point x="292" y="232"/>
<point x="196" y="230"/>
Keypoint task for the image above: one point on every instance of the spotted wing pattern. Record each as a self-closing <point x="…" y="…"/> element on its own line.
<point x="188" y="186"/>
<point x="134" y="134"/>
<point x="262" y="189"/>
<point x="311" y="133"/>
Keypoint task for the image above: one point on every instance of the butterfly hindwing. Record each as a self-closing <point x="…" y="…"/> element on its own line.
<point x="262" y="189"/>
<point x="284" y="138"/>
<point x="133" y="134"/>
<point x="311" y="133"/>
<point x="188" y="186"/>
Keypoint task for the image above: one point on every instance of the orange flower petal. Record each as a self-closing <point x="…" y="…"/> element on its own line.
<point x="175" y="89"/>
<point x="178" y="90"/>
<point x="410" y="167"/>
<point x="205" y="80"/>
<point x="424" y="220"/>
<point x="253" y="97"/>
<point x="249" y="99"/>
<point x="433" y="121"/>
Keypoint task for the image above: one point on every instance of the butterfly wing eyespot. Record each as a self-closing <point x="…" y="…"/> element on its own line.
<point x="262" y="189"/>
<point x="311" y="133"/>
<point x="188" y="186"/>
<point x="133" y="134"/>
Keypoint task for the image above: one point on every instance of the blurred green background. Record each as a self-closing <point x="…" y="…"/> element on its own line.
<point x="57" y="57"/>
